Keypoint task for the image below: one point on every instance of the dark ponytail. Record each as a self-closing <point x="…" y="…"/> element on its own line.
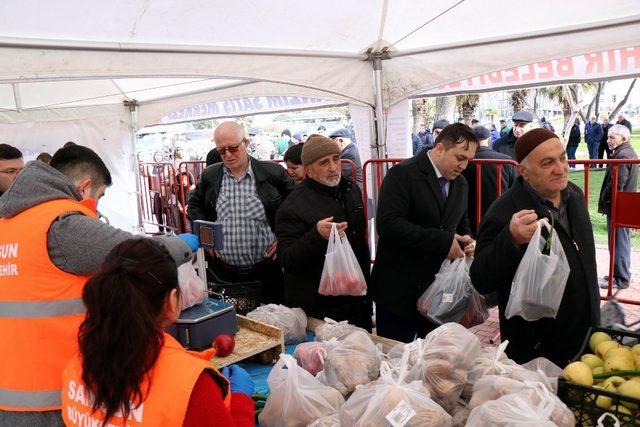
<point x="121" y="336"/>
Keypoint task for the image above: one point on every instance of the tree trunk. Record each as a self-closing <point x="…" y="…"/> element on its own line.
<point x="518" y="99"/>
<point x="566" y="113"/>
<point x="445" y="107"/>
<point x="624" y="101"/>
<point x="600" y="89"/>
<point x="417" y="107"/>
<point x="573" y="90"/>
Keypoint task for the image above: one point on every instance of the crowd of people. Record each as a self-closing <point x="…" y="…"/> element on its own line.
<point x="94" y="288"/>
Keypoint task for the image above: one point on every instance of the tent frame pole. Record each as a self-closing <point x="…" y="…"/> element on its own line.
<point x="381" y="151"/>
<point x="133" y="109"/>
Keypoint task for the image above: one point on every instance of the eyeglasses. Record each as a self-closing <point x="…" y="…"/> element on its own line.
<point x="12" y="171"/>
<point x="231" y="148"/>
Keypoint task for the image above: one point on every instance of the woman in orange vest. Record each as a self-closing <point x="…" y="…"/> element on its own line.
<point x="129" y="371"/>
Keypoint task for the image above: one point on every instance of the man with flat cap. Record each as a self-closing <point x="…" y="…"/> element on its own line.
<point x="348" y="151"/>
<point x="541" y="191"/>
<point x="438" y="125"/>
<point x="303" y="225"/>
<point x="522" y="123"/>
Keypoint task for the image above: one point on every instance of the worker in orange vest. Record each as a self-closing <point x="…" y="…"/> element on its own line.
<point x="51" y="242"/>
<point x="129" y="371"/>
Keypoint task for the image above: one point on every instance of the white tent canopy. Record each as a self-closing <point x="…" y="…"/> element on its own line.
<point x="68" y="65"/>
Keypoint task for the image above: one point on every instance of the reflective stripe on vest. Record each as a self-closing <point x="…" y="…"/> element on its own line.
<point x="30" y="399"/>
<point x="172" y="379"/>
<point x="40" y="309"/>
<point x="33" y="310"/>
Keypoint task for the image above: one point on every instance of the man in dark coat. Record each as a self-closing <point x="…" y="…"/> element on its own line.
<point x="521" y="125"/>
<point x="303" y="226"/>
<point x="488" y="177"/>
<point x="592" y="136"/>
<point x="574" y="140"/>
<point x="603" y="147"/>
<point x="542" y="190"/>
<point x="421" y="221"/>
<point x="243" y="194"/>
<point x="348" y="151"/>
<point x="624" y="122"/>
<point x="619" y="137"/>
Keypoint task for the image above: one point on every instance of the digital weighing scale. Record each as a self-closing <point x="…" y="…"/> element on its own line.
<point x="197" y="326"/>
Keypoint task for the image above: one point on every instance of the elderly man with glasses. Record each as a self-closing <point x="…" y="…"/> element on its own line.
<point x="243" y="194"/>
<point x="11" y="164"/>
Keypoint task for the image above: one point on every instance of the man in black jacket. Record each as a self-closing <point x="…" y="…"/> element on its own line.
<point x="521" y="125"/>
<point x="421" y="221"/>
<point x="243" y="194"/>
<point x="604" y="146"/>
<point x="542" y="190"/>
<point x="621" y="148"/>
<point x="303" y="225"/>
<point x="488" y="177"/>
<point x="348" y="151"/>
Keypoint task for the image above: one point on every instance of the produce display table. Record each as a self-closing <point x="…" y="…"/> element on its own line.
<point x="260" y="372"/>
<point x="253" y="338"/>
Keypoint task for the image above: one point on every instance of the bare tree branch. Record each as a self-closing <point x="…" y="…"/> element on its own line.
<point x="623" y="101"/>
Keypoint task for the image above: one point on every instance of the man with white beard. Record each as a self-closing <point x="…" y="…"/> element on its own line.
<point x="303" y="225"/>
<point x="522" y="123"/>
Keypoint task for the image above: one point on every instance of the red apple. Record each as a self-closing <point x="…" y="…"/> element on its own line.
<point x="223" y="345"/>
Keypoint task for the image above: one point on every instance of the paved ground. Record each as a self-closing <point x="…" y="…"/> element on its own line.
<point x="489" y="330"/>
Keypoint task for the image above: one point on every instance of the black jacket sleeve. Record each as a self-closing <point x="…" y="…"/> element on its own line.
<point x="393" y="225"/>
<point x="196" y="203"/>
<point x="298" y="245"/>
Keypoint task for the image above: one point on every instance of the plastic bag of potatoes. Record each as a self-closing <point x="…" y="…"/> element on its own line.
<point x="351" y="361"/>
<point x="297" y="397"/>
<point x="390" y="401"/>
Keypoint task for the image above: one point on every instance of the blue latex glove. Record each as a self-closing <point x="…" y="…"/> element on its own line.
<point x="240" y="379"/>
<point x="191" y="240"/>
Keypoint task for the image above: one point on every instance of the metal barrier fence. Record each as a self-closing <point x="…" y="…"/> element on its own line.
<point x="164" y="192"/>
<point x="624" y="205"/>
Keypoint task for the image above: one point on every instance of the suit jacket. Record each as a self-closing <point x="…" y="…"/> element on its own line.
<point x="627" y="177"/>
<point x="489" y="179"/>
<point x="415" y="227"/>
<point x="497" y="259"/>
<point x="273" y="185"/>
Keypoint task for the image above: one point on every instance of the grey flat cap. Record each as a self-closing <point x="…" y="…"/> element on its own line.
<point x="523" y="116"/>
<point x="340" y="133"/>
<point x="441" y="124"/>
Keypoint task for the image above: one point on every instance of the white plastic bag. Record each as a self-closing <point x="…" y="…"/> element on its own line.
<point x="511" y="410"/>
<point x="447" y="298"/>
<point x="332" y="420"/>
<point x="332" y="329"/>
<point x="491" y="388"/>
<point x="297" y="398"/>
<point x="390" y="401"/>
<point x="540" y="279"/>
<point x="192" y="288"/>
<point x="350" y="362"/>
<point x="452" y="298"/>
<point x="292" y="321"/>
<point x="341" y="274"/>
<point x="452" y="342"/>
<point x="310" y="356"/>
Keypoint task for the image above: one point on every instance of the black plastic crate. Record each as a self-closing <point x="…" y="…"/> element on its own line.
<point x="244" y="297"/>
<point x="582" y="400"/>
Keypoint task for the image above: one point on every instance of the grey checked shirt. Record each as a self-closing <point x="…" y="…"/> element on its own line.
<point x="246" y="231"/>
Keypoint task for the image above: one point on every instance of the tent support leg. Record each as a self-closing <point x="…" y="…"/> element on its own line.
<point x="133" y="108"/>
<point x="381" y="143"/>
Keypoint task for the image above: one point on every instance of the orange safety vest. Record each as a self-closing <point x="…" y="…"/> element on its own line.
<point x="172" y="380"/>
<point x="41" y="309"/>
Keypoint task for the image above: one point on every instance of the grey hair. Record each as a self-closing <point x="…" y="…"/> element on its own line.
<point x="623" y="131"/>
